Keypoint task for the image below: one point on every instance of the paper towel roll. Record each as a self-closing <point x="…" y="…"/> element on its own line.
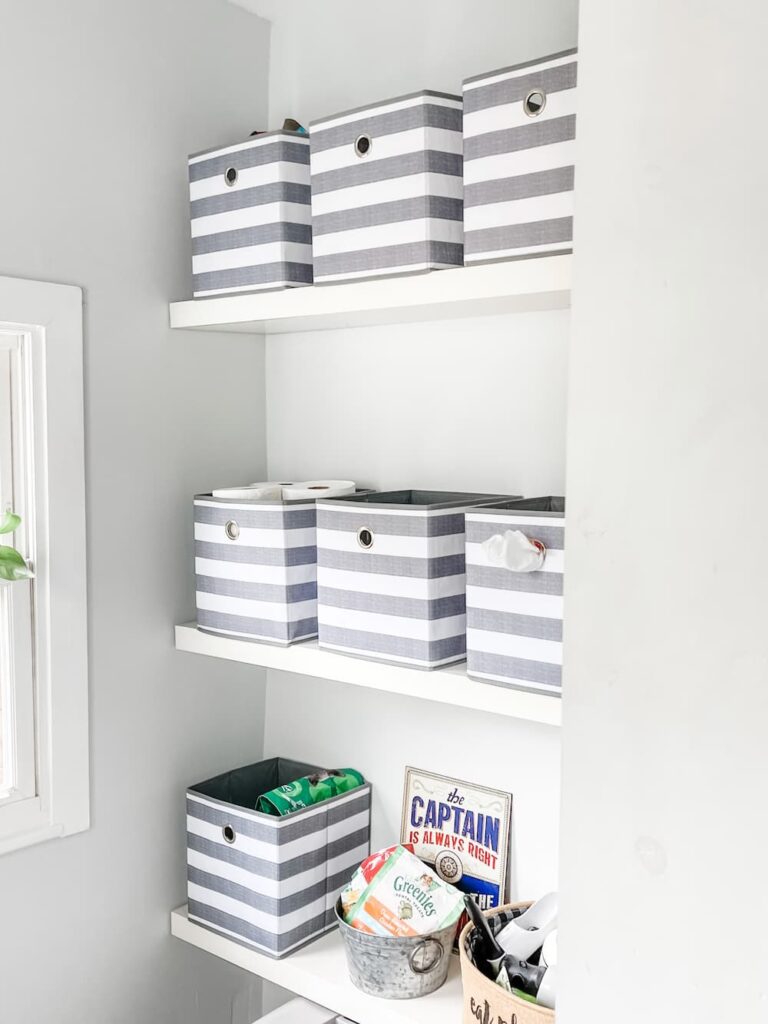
<point x="251" y="492"/>
<point x="319" y="489"/>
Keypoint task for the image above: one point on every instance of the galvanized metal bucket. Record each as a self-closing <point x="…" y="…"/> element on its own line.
<point x="394" y="968"/>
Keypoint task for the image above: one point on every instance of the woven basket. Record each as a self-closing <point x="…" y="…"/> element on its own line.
<point x="486" y="1001"/>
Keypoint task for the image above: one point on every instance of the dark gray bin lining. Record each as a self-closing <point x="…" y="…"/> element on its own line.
<point x="242" y="787"/>
<point x="550" y="505"/>
<point x="427" y="501"/>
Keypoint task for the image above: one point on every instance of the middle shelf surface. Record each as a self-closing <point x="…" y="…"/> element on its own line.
<point x="319" y="973"/>
<point x="450" y="685"/>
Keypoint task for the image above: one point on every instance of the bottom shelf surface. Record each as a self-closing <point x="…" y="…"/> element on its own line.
<point x="319" y="973"/>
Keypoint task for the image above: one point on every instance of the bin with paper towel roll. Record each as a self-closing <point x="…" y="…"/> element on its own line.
<point x="514" y="553"/>
<point x="256" y="559"/>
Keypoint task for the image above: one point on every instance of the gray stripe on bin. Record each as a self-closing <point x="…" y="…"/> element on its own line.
<point x="299" y="826"/>
<point x="420" y="115"/>
<point x="517" y="236"/>
<point x="261" y="274"/>
<point x="259" y="936"/>
<point x="526" y="582"/>
<point x="277" y="870"/>
<point x="512" y="624"/>
<point x="394" y="526"/>
<point x="392" y="565"/>
<point x="401" y="647"/>
<point x="280" y="631"/>
<point x="449" y="253"/>
<point x="245" y="198"/>
<point x="260" y="234"/>
<point x="382" y="604"/>
<point x="305" y="555"/>
<point x="418" y="208"/>
<point x="515" y="668"/>
<point x="257" y="518"/>
<point x="531" y="136"/>
<point x="389" y="168"/>
<point x="514" y="90"/>
<point x="270" y="592"/>
<point x="280" y="151"/>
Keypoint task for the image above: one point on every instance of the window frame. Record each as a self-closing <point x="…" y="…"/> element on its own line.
<point x="17" y="610"/>
<point x="49" y="319"/>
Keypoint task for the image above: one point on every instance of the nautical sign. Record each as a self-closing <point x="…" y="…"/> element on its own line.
<point x="462" y="830"/>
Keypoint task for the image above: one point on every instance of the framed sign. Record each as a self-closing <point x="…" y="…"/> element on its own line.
<point x="462" y="830"/>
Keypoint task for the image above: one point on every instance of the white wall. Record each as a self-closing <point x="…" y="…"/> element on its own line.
<point x="102" y="102"/>
<point x="664" y="751"/>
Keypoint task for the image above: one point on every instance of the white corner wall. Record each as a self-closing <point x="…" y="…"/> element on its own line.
<point x="665" y="772"/>
<point x="102" y="103"/>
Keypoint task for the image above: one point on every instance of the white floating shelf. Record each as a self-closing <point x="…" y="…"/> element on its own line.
<point x="319" y="973"/>
<point x="515" y="287"/>
<point x="449" y="685"/>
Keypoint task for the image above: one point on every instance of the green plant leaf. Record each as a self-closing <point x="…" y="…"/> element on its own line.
<point x="12" y="566"/>
<point x="9" y="522"/>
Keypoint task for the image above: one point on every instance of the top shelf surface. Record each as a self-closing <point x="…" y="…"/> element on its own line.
<point x="519" y="286"/>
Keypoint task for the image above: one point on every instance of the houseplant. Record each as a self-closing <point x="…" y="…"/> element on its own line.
<point x="13" y="566"/>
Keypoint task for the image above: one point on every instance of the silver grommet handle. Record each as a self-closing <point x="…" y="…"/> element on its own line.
<point x="534" y="102"/>
<point x="363" y="145"/>
<point x="229" y="834"/>
<point x="426" y="956"/>
<point x="365" y="537"/>
<point x="230" y="176"/>
<point x="232" y="530"/>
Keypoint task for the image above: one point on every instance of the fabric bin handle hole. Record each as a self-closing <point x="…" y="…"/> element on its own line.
<point x="230" y="176"/>
<point x="232" y="530"/>
<point x="534" y="102"/>
<point x="365" y="537"/>
<point x="363" y="145"/>
<point x="229" y="834"/>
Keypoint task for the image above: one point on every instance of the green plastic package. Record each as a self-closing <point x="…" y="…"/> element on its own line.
<point x="309" y="790"/>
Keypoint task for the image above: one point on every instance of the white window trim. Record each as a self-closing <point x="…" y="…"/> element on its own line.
<point x="50" y="318"/>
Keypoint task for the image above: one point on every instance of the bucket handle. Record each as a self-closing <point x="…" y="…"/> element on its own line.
<point x="432" y="951"/>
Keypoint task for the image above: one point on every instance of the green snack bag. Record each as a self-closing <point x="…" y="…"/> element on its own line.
<point x="309" y="790"/>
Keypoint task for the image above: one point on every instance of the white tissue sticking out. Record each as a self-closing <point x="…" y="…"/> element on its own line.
<point x="514" y="551"/>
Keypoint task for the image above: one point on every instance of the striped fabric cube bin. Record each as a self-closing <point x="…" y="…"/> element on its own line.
<point x="270" y="883"/>
<point x="515" y="619"/>
<point x="251" y="215"/>
<point x="519" y="141"/>
<point x="256" y="568"/>
<point x="387" y="189"/>
<point x="390" y="572"/>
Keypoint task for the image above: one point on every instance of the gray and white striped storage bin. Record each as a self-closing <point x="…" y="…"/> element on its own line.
<point x="390" y="573"/>
<point x="387" y="189"/>
<point x="251" y="215"/>
<point x="515" y="619"/>
<point x="270" y="883"/>
<point x="256" y="568"/>
<point x="519" y="140"/>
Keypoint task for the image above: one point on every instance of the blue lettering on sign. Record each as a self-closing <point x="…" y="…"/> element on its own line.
<point x="416" y="802"/>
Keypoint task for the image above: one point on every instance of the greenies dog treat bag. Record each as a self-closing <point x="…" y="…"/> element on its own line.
<point x="370" y="867"/>
<point x="405" y="897"/>
<point x="309" y="790"/>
